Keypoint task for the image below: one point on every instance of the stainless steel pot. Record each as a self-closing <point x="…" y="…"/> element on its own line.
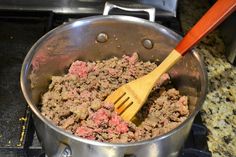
<point x="97" y="38"/>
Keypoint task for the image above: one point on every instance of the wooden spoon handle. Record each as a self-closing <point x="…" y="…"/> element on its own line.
<point x="214" y="16"/>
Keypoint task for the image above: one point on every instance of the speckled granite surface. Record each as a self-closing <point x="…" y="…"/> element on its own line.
<point x="219" y="109"/>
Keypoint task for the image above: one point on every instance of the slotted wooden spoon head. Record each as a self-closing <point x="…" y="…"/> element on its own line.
<point x="129" y="98"/>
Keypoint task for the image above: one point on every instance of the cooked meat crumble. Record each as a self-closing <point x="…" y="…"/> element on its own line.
<point x="75" y="101"/>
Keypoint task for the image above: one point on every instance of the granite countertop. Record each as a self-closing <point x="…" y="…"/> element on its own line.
<point x="219" y="108"/>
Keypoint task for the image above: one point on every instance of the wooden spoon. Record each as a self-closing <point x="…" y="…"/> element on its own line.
<point x="129" y="98"/>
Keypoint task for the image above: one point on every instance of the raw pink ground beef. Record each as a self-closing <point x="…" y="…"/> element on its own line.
<point x="75" y="102"/>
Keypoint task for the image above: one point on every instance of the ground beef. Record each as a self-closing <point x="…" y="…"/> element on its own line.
<point x="75" y="102"/>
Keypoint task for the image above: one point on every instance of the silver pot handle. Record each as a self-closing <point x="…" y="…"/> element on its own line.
<point x="150" y="10"/>
<point x="63" y="151"/>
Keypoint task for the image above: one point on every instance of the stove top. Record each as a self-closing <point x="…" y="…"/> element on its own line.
<point x="164" y="7"/>
<point x="18" y="32"/>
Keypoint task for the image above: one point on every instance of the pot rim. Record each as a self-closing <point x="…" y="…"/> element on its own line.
<point x="31" y="53"/>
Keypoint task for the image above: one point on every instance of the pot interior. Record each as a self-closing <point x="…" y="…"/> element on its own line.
<point x="54" y="53"/>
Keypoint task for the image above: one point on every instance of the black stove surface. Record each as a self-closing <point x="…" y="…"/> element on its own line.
<point x="16" y="38"/>
<point x="18" y="32"/>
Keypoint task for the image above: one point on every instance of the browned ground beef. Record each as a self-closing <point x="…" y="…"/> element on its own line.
<point x="75" y="102"/>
